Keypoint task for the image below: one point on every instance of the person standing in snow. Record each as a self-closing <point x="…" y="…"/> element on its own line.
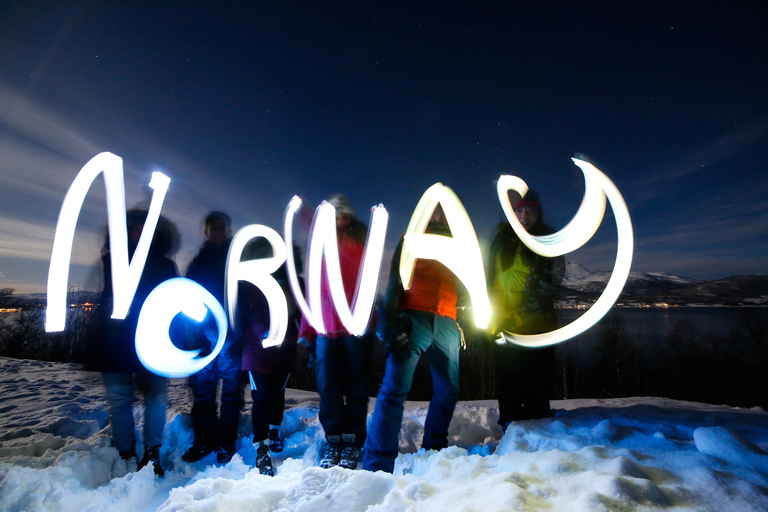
<point x="268" y="368"/>
<point x="208" y="268"/>
<point x="521" y="286"/>
<point x="342" y="361"/>
<point x="419" y="320"/>
<point x="113" y="347"/>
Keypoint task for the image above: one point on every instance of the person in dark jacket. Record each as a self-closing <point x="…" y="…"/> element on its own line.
<point x="268" y="368"/>
<point x="521" y="286"/>
<point x="343" y="360"/>
<point x="420" y="320"/>
<point x="208" y="268"/>
<point x="113" y="347"/>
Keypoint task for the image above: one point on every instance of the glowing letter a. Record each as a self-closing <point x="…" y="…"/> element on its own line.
<point x="125" y="276"/>
<point x="460" y="253"/>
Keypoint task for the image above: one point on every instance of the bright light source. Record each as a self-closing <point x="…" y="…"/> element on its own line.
<point x="125" y="276"/>
<point x="578" y="231"/>
<point x="258" y="272"/>
<point x="460" y="252"/>
<point x="323" y="242"/>
<point x="153" y="343"/>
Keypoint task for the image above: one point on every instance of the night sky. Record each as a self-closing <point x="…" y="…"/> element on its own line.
<point x="245" y="106"/>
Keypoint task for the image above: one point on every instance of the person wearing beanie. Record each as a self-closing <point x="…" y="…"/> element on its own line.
<point x="521" y="286"/>
<point x="342" y="360"/>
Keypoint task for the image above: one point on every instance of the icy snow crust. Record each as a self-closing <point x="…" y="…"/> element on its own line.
<point x="642" y="454"/>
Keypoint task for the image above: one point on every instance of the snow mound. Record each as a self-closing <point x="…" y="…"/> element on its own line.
<point x="730" y="446"/>
<point x="649" y="454"/>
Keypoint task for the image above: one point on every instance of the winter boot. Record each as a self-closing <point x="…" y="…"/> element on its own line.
<point x="275" y="443"/>
<point x="225" y="454"/>
<point x="152" y="455"/>
<point x="332" y="452"/>
<point x="197" y="452"/>
<point x="263" y="460"/>
<point x="131" y="461"/>
<point x="349" y="452"/>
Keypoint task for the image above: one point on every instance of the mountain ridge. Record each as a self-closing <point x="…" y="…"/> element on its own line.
<point x="664" y="288"/>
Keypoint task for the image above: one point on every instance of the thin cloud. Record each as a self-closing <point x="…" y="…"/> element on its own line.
<point x="660" y="180"/>
<point x="42" y="127"/>
<point x="27" y="240"/>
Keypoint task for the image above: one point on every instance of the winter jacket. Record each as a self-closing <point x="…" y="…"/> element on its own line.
<point x="112" y="343"/>
<point x="433" y="290"/>
<point x="350" y="257"/>
<point x="209" y="269"/>
<point x="522" y="284"/>
<point x="253" y="318"/>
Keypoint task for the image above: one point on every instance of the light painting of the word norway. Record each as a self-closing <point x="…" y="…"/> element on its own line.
<point x="460" y="253"/>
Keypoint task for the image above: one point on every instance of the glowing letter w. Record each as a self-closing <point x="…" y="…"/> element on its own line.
<point x="323" y="242"/>
<point x="125" y="276"/>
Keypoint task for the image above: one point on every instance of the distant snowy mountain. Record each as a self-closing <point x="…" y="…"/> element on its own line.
<point x="584" y="279"/>
<point x="654" y="287"/>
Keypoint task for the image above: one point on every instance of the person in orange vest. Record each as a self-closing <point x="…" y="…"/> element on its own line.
<point x="416" y="321"/>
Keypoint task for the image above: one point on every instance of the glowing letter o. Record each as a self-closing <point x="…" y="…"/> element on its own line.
<point x="153" y="343"/>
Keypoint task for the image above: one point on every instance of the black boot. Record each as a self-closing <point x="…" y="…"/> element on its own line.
<point x="263" y="460"/>
<point x="349" y="452"/>
<point x="275" y="443"/>
<point x="197" y="452"/>
<point x="152" y="455"/>
<point x="225" y="454"/>
<point x="332" y="453"/>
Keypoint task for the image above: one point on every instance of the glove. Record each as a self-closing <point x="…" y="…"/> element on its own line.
<point x="399" y="346"/>
<point x="394" y="337"/>
<point x="310" y="348"/>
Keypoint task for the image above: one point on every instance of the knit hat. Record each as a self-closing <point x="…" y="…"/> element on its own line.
<point x="531" y="199"/>
<point x="342" y="204"/>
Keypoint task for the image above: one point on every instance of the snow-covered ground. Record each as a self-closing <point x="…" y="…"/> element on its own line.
<point x="614" y="455"/>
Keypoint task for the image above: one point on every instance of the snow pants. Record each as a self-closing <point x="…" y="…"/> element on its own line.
<point x="342" y="369"/>
<point x="268" y="393"/>
<point x="439" y="337"/>
<point x="120" y="397"/>
<point x="210" y="429"/>
<point x="523" y="382"/>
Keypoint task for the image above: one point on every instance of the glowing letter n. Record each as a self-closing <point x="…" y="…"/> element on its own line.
<point x="125" y="276"/>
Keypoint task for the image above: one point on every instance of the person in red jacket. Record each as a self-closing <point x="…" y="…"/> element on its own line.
<point x="342" y="360"/>
<point x="419" y="320"/>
